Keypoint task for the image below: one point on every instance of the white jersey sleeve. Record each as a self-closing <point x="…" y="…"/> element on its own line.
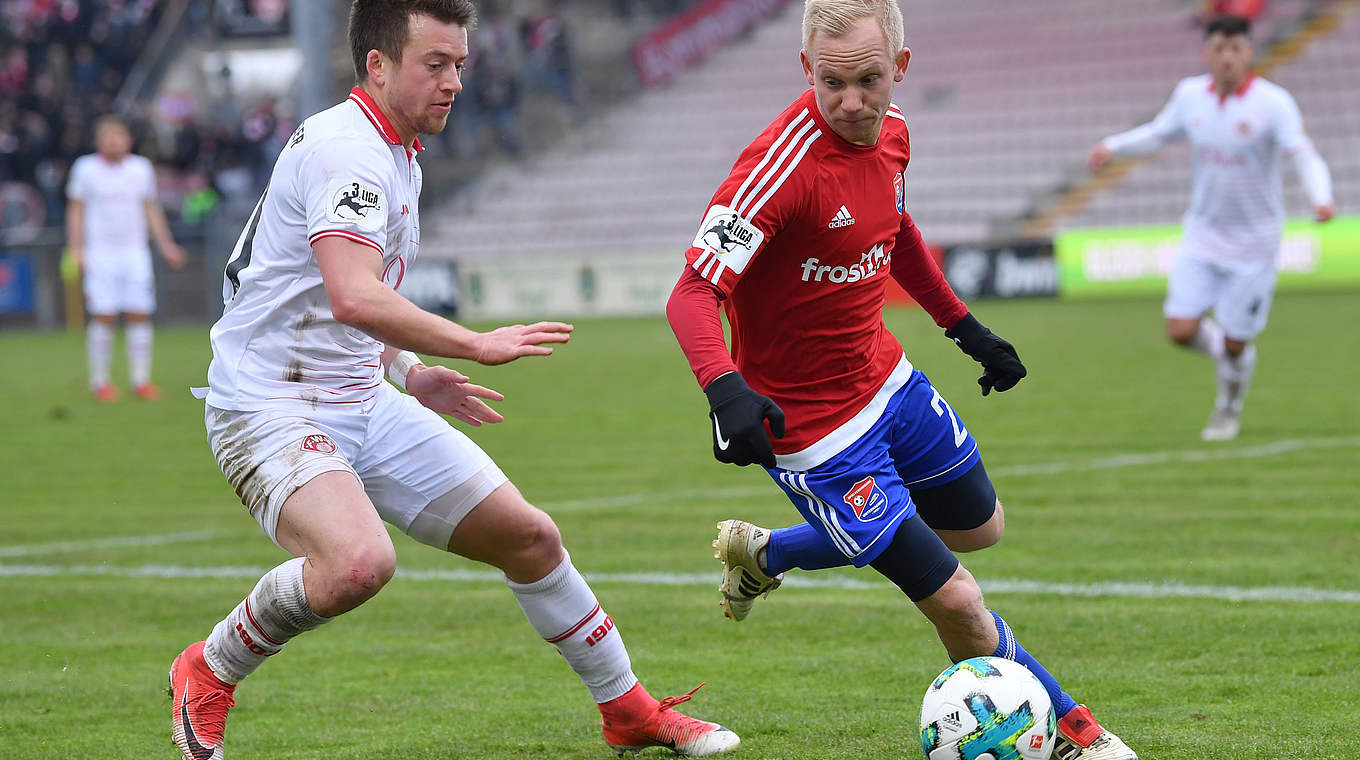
<point x="78" y="184"/>
<point x="147" y="191"/>
<point x="1294" y="142"/>
<point x="343" y="190"/>
<point x="1151" y="137"/>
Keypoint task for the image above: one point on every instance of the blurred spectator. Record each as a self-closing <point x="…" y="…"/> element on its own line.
<point x="548" y="55"/>
<point x="1247" y="9"/>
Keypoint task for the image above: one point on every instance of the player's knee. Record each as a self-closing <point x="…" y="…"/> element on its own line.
<point x="1234" y="347"/>
<point x="959" y="600"/>
<point x="358" y="574"/>
<point x="534" y="548"/>
<point x="1182" y="331"/>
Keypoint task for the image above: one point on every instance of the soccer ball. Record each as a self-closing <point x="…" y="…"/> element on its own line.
<point x="987" y="708"/>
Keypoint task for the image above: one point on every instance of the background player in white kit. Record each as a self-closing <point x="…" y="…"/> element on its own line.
<point x="1239" y="126"/>
<point x="322" y="450"/>
<point x="110" y="205"/>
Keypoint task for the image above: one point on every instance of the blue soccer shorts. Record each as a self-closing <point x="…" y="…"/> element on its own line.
<point x="858" y="497"/>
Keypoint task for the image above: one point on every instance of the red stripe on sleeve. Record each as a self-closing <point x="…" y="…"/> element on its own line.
<point x="916" y="271"/>
<point x="692" y="311"/>
<point x="346" y="235"/>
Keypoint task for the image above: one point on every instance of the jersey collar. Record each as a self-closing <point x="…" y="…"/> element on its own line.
<point x="378" y="118"/>
<point x="1241" y="88"/>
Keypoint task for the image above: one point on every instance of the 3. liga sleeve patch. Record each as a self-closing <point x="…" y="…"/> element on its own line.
<point x="729" y="236"/>
<point x="356" y="203"/>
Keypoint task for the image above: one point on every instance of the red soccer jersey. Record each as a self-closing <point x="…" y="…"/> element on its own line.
<point x="799" y="242"/>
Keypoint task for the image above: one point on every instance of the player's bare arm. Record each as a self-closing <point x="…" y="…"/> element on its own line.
<point x="160" y="230"/>
<point x="360" y="299"/>
<point x="75" y="230"/>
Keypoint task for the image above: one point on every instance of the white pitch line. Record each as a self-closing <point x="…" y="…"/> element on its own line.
<point x="834" y="582"/>
<point x="1189" y="456"/>
<point x="1184" y="456"/>
<point x="112" y="542"/>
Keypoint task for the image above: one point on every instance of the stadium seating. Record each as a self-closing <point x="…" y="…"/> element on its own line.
<point x="998" y="119"/>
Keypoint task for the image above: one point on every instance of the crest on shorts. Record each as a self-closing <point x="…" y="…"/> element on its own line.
<point x="867" y="499"/>
<point x="321" y="444"/>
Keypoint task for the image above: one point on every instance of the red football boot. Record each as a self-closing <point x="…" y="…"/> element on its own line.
<point x="1080" y="737"/>
<point x="147" y="392"/>
<point x="636" y="720"/>
<point x="200" y="702"/>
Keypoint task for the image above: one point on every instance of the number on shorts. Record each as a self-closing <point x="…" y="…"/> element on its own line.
<point x="941" y="406"/>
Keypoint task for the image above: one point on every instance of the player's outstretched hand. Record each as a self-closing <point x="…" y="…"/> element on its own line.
<point x="506" y="344"/>
<point x="1325" y="212"/>
<point x="1001" y="367"/>
<point x="1098" y="157"/>
<point x="738" y="415"/>
<point x="448" y="392"/>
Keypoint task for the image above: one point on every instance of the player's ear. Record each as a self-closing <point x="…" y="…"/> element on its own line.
<point x="900" y="64"/>
<point x="807" y="65"/>
<point x="376" y="63"/>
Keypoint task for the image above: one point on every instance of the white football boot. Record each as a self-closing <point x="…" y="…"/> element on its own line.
<point x="1080" y="737"/>
<point x="1223" y="425"/>
<point x="743" y="580"/>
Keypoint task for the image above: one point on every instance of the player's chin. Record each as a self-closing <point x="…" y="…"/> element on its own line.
<point x="435" y="123"/>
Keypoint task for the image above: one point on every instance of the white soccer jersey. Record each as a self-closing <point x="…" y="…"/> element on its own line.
<point x="115" y="196"/>
<point x="1236" y="209"/>
<point x="343" y="173"/>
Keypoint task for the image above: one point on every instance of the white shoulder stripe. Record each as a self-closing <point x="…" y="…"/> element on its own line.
<point x="708" y="268"/>
<point x="717" y="271"/>
<point x="812" y="138"/>
<point x="897" y="115"/>
<point x="744" y="207"/>
<point x="793" y="125"/>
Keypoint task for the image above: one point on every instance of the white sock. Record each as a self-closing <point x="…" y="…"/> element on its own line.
<point x="1234" y="378"/>
<point x="99" y="352"/>
<point x="564" y="611"/>
<point x="276" y="611"/>
<point x="139" y="353"/>
<point x="1208" y="339"/>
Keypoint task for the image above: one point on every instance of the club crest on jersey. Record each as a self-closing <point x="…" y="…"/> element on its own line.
<point x="321" y="444"/>
<point x="357" y="203"/>
<point x="867" y="499"/>
<point x="729" y="236"/>
<point x="899" y="189"/>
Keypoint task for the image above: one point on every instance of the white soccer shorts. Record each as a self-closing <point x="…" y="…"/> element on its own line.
<point x="1240" y="295"/>
<point x="119" y="284"/>
<point x="405" y="455"/>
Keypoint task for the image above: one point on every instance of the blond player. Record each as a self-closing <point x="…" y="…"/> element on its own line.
<point x="1239" y="126"/>
<point x="322" y="449"/>
<point x="111" y="204"/>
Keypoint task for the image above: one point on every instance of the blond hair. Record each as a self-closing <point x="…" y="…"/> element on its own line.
<point x="837" y="17"/>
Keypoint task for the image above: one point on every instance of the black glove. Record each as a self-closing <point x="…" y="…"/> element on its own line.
<point x="1001" y="367"/>
<point x="739" y="415"/>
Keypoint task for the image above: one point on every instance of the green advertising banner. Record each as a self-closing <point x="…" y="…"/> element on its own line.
<point x="1116" y="261"/>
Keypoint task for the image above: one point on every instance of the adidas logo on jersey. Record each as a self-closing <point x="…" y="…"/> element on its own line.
<point x="841" y="219"/>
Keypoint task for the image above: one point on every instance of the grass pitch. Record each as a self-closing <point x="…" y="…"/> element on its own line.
<point x="1203" y="599"/>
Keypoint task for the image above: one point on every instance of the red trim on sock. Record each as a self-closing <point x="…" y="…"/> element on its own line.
<point x="576" y="627"/>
